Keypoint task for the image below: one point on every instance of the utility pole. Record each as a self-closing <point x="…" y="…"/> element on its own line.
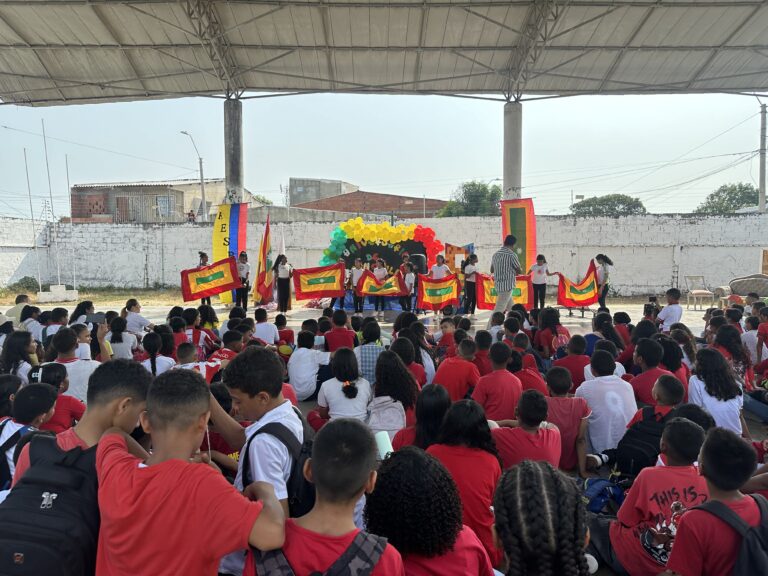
<point x="761" y="196"/>
<point x="32" y="220"/>
<point x="53" y="215"/>
<point x="203" y="203"/>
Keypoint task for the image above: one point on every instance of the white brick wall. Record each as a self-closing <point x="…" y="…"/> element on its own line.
<point x="644" y="249"/>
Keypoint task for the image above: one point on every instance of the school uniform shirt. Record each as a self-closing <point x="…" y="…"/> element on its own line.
<point x="51" y="330"/>
<point x="418" y="372"/>
<point x="482" y="362"/>
<point x="529" y="361"/>
<point x="83" y="351"/>
<point x="544" y="338"/>
<point x="439" y="272"/>
<point x="567" y="413"/>
<point x="466" y="558"/>
<point x="286" y="335"/>
<point x="498" y="393"/>
<point x="623" y="331"/>
<point x="244" y="269"/>
<point x="332" y="397"/>
<point x="649" y="503"/>
<point x="670" y="314"/>
<point x="429" y="366"/>
<point x="136" y="323"/>
<point x="612" y="402"/>
<point x="355" y="275"/>
<point x="643" y="383"/>
<point x="33" y="327"/>
<point x="470" y="272"/>
<point x="410" y="280"/>
<point x="146" y="503"/>
<point x="404" y="437"/>
<point x="749" y="339"/>
<point x="23" y="371"/>
<point x="283" y="271"/>
<point x="576" y="365"/>
<point x="707" y="546"/>
<point x="726" y="414"/>
<point x="78" y="372"/>
<point x="311" y="552"/>
<point x="9" y="429"/>
<point x="494" y="330"/>
<point x="223" y="354"/>
<point x="587" y="373"/>
<point x="162" y="364"/>
<point x="659" y="412"/>
<point x="340" y="337"/>
<point x="66" y="440"/>
<point x="539" y="274"/>
<point x="270" y="462"/>
<point x="457" y="376"/>
<point x="206" y="369"/>
<point x="380" y="273"/>
<point x="476" y="473"/>
<point x="67" y="411"/>
<point x="531" y="380"/>
<point x="515" y="445"/>
<point x="302" y="370"/>
<point x="367" y="355"/>
<point x="125" y="348"/>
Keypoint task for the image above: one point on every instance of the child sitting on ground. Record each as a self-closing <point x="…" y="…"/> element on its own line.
<point x="346" y="395"/>
<point x="499" y="392"/>
<point x="672" y="312"/>
<point x="483" y="341"/>
<point x="648" y="355"/>
<point x="285" y="334"/>
<point x="232" y="342"/>
<point x="186" y="354"/>
<point x="497" y="326"/>
<point x="576" y="361"/>
<point x="307" y="367"/>
<point x="458" y="374"/>
<point x="530" y="378"/>
<point x="571" y="416"/>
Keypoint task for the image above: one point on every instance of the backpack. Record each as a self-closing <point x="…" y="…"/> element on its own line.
<point x="639" y="447"/>
<point x="386" y="415"/>
<point x="5" y="471"/>
<point x="559" y="345"/>
<point x="753" y="553"/>
<point x="49" y="522"/>
<point x="359" y="559"/>
<point x="301" y="492"/>
<point x="602" y="496"/>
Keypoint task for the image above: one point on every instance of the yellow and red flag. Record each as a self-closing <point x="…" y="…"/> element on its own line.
<point x="321" y="282"/>
<point x="209" y="280"/>
<point x="486" y="292"/>
<point x="262" y="288"/>
<point x="577" y="294"/>
<point x="369" y="285"/>
<point x="438" y="294"/>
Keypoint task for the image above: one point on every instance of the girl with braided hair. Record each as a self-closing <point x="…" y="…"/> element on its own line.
<point x="540" y="522"/>
<point x="465" y="447"/>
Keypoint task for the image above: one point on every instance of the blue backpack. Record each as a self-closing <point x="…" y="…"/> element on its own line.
<point x="602" y="496"/>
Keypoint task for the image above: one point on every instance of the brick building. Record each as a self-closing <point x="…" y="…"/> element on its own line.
<point x="404" y="207"/>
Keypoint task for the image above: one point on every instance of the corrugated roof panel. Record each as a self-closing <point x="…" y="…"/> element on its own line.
<point x="691" y="27"/>
<point x="597" y="26"/>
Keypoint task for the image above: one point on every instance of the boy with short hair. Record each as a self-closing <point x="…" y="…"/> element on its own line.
<point x="705" y="544"/>
<point x="285" y="334"/>
<point x="445" y="339"/>
<point x="497" y="325"/>
<point x="575" y="361"/>
<point x="522" y="344"/>
<point x="672" y="312"/>
<point x="56" y="321"/>
<point x="340" y="336"/>
<point x="202" y="340"/>
<point x="571" y="416"/>
<point x="530" y="378"/>
<point x="117" y="395"/>
<point x="232" y="343"/>
<point x="152" y="504"/>
<point x="264" y="330"/>
<point x="305" y="367"/>
<point x="65" y="342"/>
<point x="255" y="382"/>
<point x="648" y="355"/>
<point x="499" y="391"/>
<point x="749" y="338"/>
<point x="511" y="328"/>
<point x="483" y="341"/>
<point x="734" y="316"/>
<point x="342" y="468"/>
<point x="528" y="439"/>
<point x="458" y="374"/>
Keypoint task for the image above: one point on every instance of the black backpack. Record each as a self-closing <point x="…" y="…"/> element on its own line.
<point x="49" y="523"/>
<point x="5" y="471"/>
<point x="639" y="447"/>
<point x="301" y="492"/>
<point x="359" y="559"/>
<point x="753" y="553"/>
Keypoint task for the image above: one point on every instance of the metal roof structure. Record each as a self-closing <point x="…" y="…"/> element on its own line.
<point x="55" y="52"/>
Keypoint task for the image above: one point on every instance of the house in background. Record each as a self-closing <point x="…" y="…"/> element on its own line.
<point x="149" y="202"/>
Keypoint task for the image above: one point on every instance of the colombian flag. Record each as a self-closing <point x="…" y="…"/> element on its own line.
<point x="217" y="278"/>
<point x="262" y="288"/>
<point x="486" y="292"/>
<point x="229" y="236"/>
<point x="518" y="218"/>
<point x="437" y="294"/>
<point x="575" y="295"/>
<point x="368" y="285"/>
<point x="323" y="282"/>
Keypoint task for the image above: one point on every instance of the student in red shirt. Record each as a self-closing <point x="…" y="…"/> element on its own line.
<point x="529" y="378"/>
<point x="285" y="334"/>
<point x="233" y="345"/>
<point x="622" y="323"/>
<point x="466" y="449"/>
<point x="498" y="392"/>
<point x="540" y="521"/>
<point x="704" y="544"/>
<point x="522" y="344"/>
<point x="762" y="333"/>
<point x="734" y="316"/>
<point x="447" y="328"/>
<point x="459" y="375"/>
<point x="340" y="336"/>
<point x="68" y="409"/>
<point x="403" y="347"/>
<point x="117" y="393"/>
<point x="483" y="342"/>
<point x="644" y="329"/>
<point x="342" y="468"/>
<point x="549" y="333"/>
<point x="431" y="405"/>
<point x="151" y="503"/>
<point x="571" y="416"/>
<point x="416" y="506"/>
<point x="458" y="336"/>
<point x="575" y="361"/>
<point x="528" y="439"/>
<point x="648" y="355"/>
<point x="179" y="327"/>
<point x="511" y="327"/>
<point x="647" y="508"/>
<point x="672" y="360"/>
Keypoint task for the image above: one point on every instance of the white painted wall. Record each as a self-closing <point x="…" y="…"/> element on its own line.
<point x="644" y="249"/>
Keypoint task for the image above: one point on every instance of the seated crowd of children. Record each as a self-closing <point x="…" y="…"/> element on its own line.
<point x="517" y="450"/>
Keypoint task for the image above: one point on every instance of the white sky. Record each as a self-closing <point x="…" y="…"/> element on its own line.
<point x="645" y="146"/>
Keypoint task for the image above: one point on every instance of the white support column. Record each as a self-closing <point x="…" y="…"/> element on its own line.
<point x="761" y="197"/>
<point x="513" y="149"/>
<point x="233" y="149"/>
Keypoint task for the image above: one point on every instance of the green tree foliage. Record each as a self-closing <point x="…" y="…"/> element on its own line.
<point x="611" y="206"/>
<point x="473" y="199"/>
<point x="729" y="198"/>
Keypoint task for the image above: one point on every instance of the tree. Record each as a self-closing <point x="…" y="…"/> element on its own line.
<point x="611" y="205"/>
<point x="473" y="199"/>
<point x="729" y="198"/>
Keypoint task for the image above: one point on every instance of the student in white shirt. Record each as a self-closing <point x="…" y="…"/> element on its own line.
<point x="304" y="365"/>
<point x="715" y="388"/>
<point x="264" y="330"/>
<point x="135" y="322"/>
<point x="439" y="270"/>
<point x="283" y="272"/>
<point x="381" y="274"/>
<point x="57" y="320"/>
<point x="29" y="322"/>
<point x="469" y="269"/>
<point x="156" y="364"/>
<point x="78" y="371"/>
<point x="672" y="312"/>
<point x="749" y="338"/>
<point x="409" y="279"/>
<point x="244" y="272"/>
<point x="255" y="382"/>
<point x="539" y="273"/>
<point x="16" y="357"/>
<point x="612" y="401"/>
<point x="346" y="395"/>
<point x="123" y="343"/>
<point x="80" y="314"/>
<point x="83" y="341"/>
<point x="355" y="274"/>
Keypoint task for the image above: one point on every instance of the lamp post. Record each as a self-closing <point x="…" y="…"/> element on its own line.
<point x="202" y="181"/>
